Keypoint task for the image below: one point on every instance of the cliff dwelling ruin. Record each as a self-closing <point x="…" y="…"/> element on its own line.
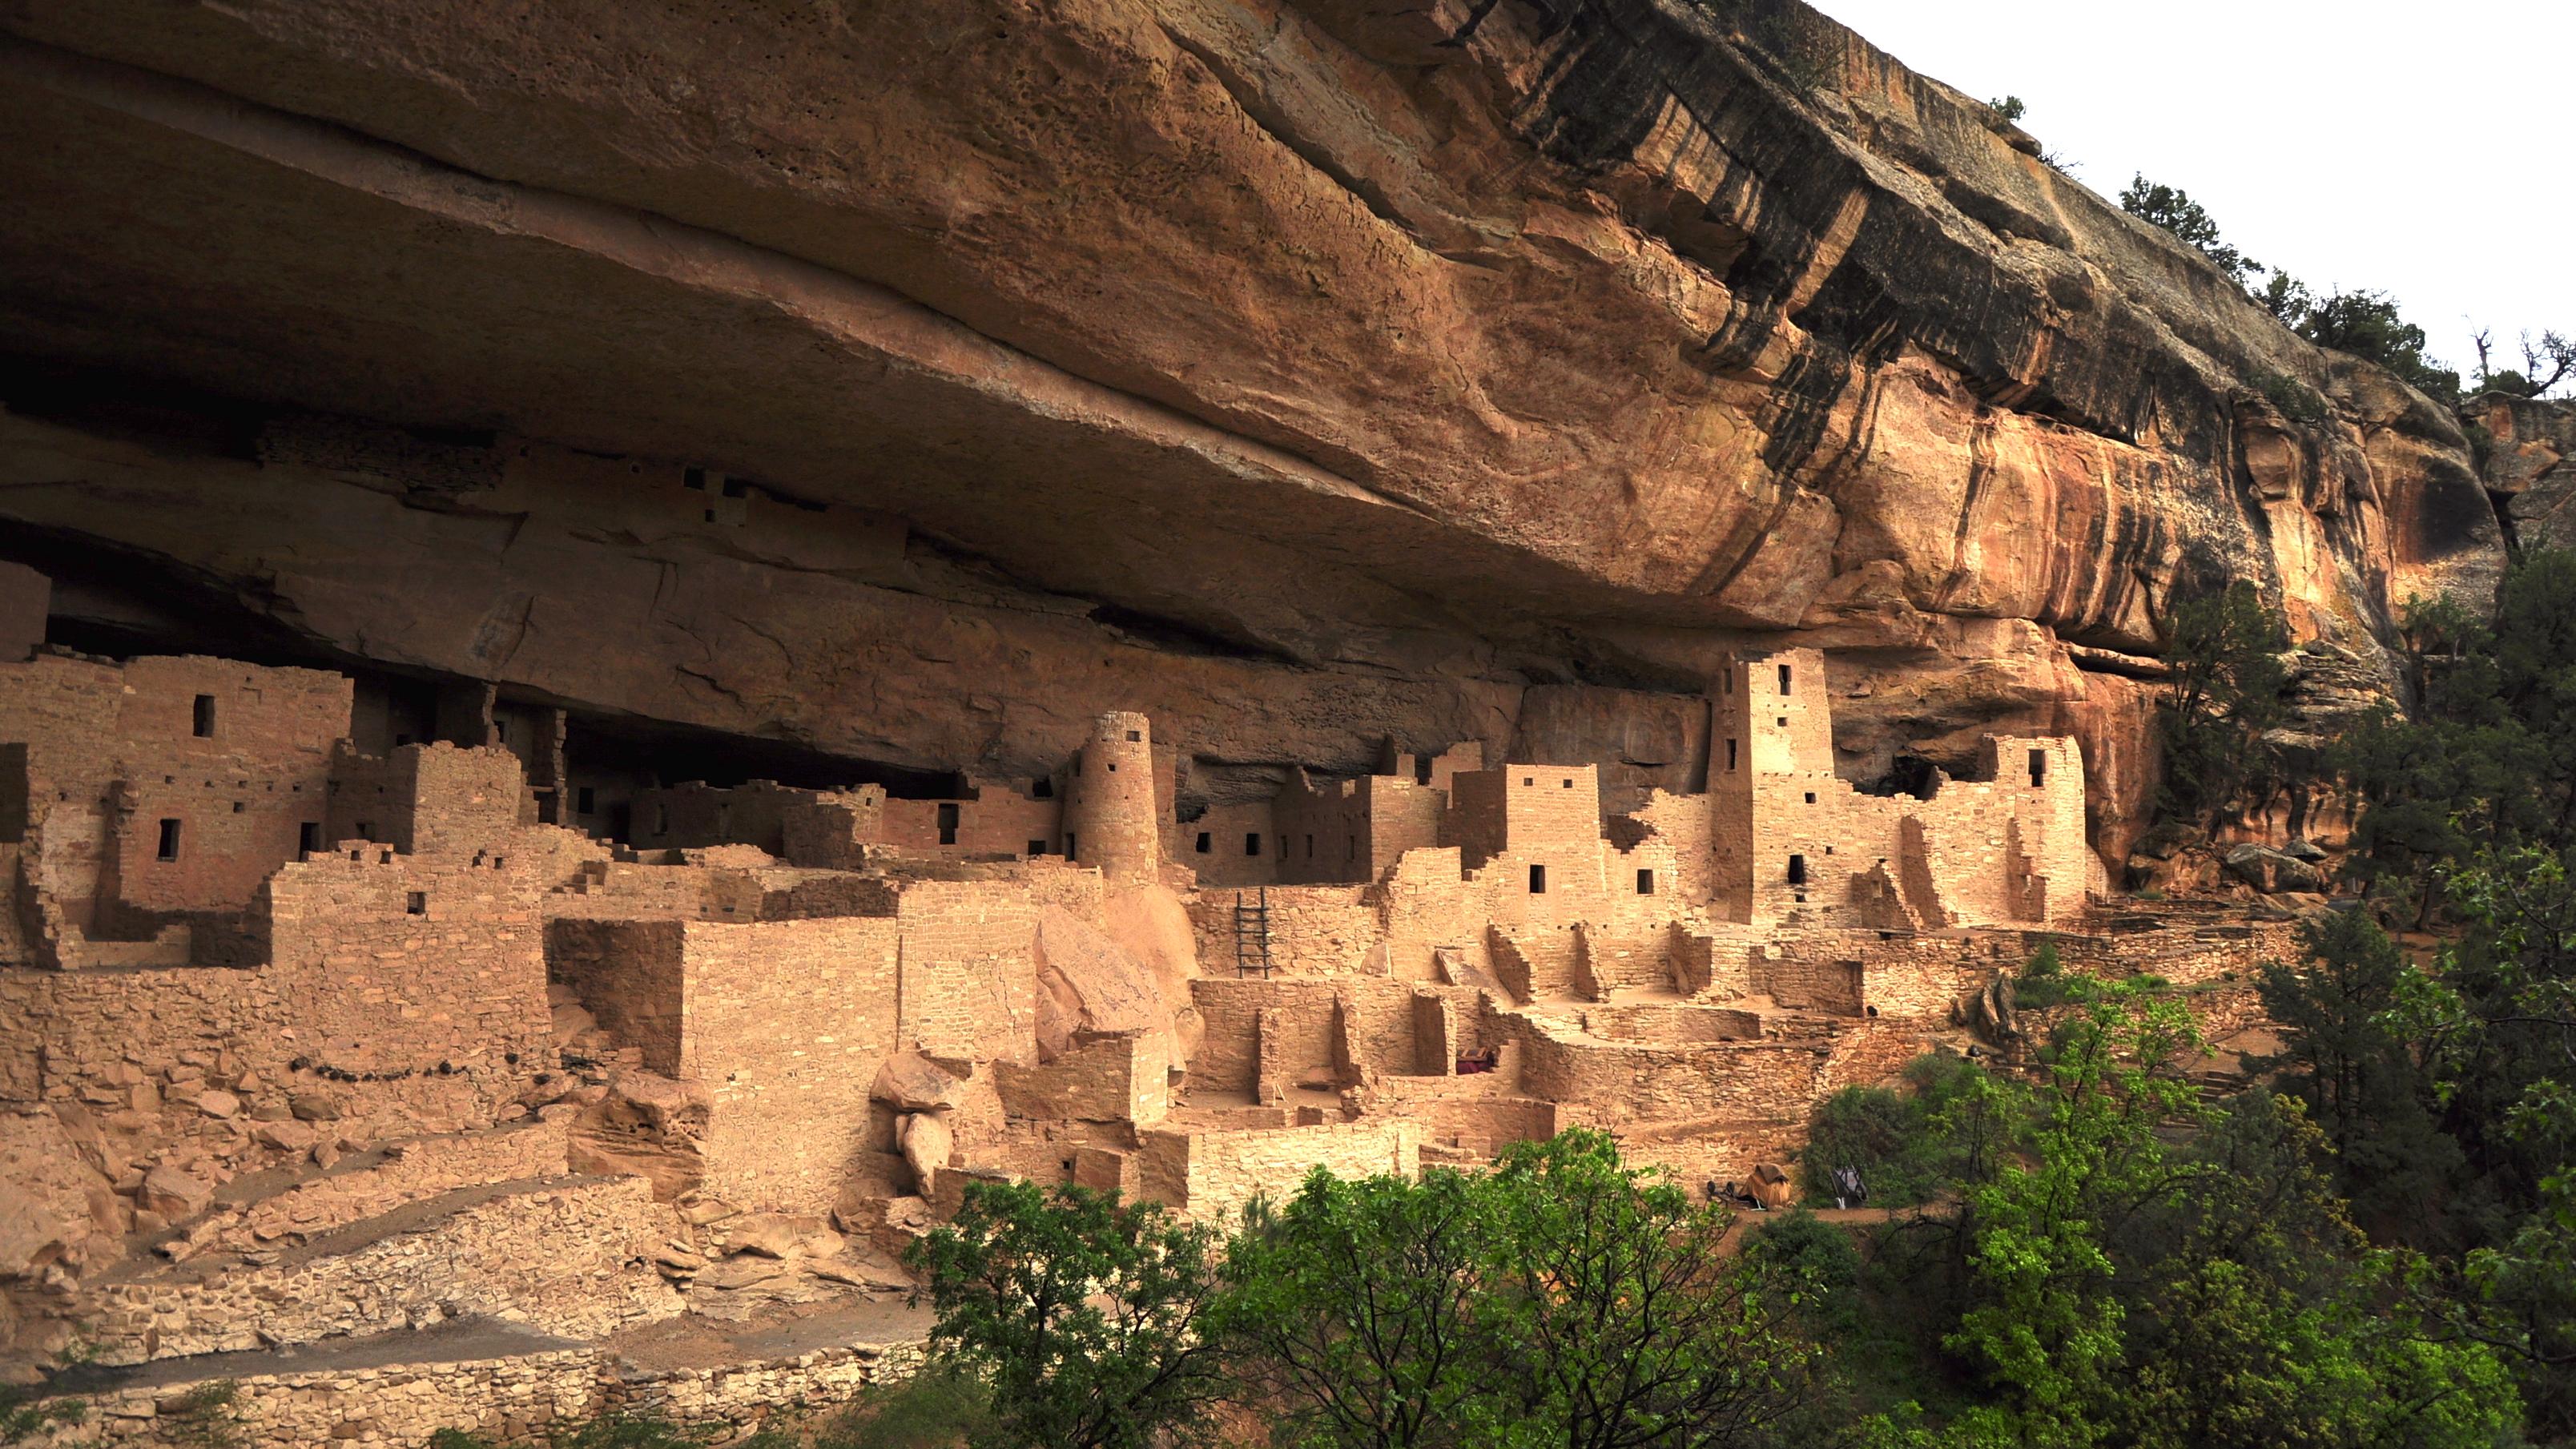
<point x="636" y="643"/>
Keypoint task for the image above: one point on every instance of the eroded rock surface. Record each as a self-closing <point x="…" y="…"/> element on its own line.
<point x="910" y="383"/>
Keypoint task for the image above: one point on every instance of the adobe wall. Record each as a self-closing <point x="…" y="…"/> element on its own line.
<point x="786" y="1024"/>
<point x="995" y="820"/>
<point x="1794" y="842"/>
<point x="1211" y="1175"/>
<point x="1115" y="817"/>
<point x="1426" y="908"/>
<point x="1107" y="1079"/>
<point x="397" y="963"/>
<point x="694" y="814"/>
<point x="629" y="976"/>
<point x="969" y="968"/>
<point x="832" y="830"/>
<point x="353" y="983"/>
<point x="1607" y="1083"/>
<point x="1327" y="930"/>
<point x="26" y="599"/>
<point x="1353" y="830"/>
<point x="1230" y="858"/>
<point x="428" y="799"/>
<point x="113" y="752"/>
<point x="1298" y="1029"/>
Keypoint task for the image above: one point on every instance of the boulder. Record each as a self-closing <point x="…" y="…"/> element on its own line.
<point x="647" y="1125"/>
<point x="174" y="1194"/>
<point x="286" y="1136"/>
<point x="2269" y="870"/>
<point x="911" y="1082"/>
<point x="1088" y="984"/>
<point x="59" y="1208"/>
<point x="928" y="1143"/>
<point x="313" y="1107"/>
<point x="771" y="1235"/>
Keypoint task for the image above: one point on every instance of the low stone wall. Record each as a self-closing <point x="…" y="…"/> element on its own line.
<point x="566" y="1257"/>
<point x="1211" y="1175"/>
<point x="508" y="1401"/>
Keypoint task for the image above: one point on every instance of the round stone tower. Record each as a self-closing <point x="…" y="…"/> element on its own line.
<point x="1112" y="822"/>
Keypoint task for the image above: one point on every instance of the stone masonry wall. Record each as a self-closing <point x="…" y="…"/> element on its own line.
<point x="969" y="958"/>
<point x="514" y="1401"/>
<point x="786" y="1024"/>
<point x="629" y="976"/>
<point x="1218" y="1172"/>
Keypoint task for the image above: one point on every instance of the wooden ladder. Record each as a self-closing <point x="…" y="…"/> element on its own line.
<point x="1252" y="934"/>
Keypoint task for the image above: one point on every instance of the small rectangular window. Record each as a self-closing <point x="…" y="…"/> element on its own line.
<point x="1206" y="841"/>
<point x="694" y="478"/>
<point x="736" y="488"/>
<point x="1037" y="847"/>
<point x="1811" y="797"/>
<point x="1252" y="844"/>
<point x="1135" y="737"/>
<point x="416" y="904"/>
<point x="1569" y="784"/>
<point x="1645" y="882"/>
<point x="1783" y="721"/>
<point x="205" y="716"/>
<point x="2038" y="767"/>
<point x="169" y="844"/>
<point x="1042" y="789"/>
<point x="1730" y="755"/>
<point x="586" y="800"/>
<point x="1310" y="847"/>
<point x="1068" y="845"/>
<point x="948" y="825"/>
<point x="308" y="838"/>
<point x="1784" y="681"/>
<point x="1353" y="852"/>
<point x="661" y="820"/>
<point x="1797" y="870"/>
<point x="1538" y="880"/>
<point x="366" y="831"/>
<point x="1422" y="770"/>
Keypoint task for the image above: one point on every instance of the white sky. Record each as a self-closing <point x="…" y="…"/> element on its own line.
<point x="2426" y="150"/>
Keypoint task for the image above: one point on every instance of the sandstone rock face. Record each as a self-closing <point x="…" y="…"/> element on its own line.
<point x="2530" y="458"/>
<point x="911" y="383"/>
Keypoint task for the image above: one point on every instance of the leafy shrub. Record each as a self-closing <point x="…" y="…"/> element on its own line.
<point x="2290" y="397"/>
<point x="2008" y="110"/>
<point x="934" y="1409"/>
<point x="23" y="1417"/>
<point x="2174" y="210"/>
<point x="2367" y="325"/>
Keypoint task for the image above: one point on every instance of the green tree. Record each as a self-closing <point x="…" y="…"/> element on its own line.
<point x="1626" y="1322"/>
<point x="2170" y="208"/>
<point x="2045" y="1325"/>
<point x="2367" y="325"/>
<point x="2287" y="298"/>
<point x="2367" y="1090"/>
<point x="2259" y="1317"/>
<point x="1358" y="1310"/>
<point x="1085" y="1314"/>
<point x="2228" y="683"/>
